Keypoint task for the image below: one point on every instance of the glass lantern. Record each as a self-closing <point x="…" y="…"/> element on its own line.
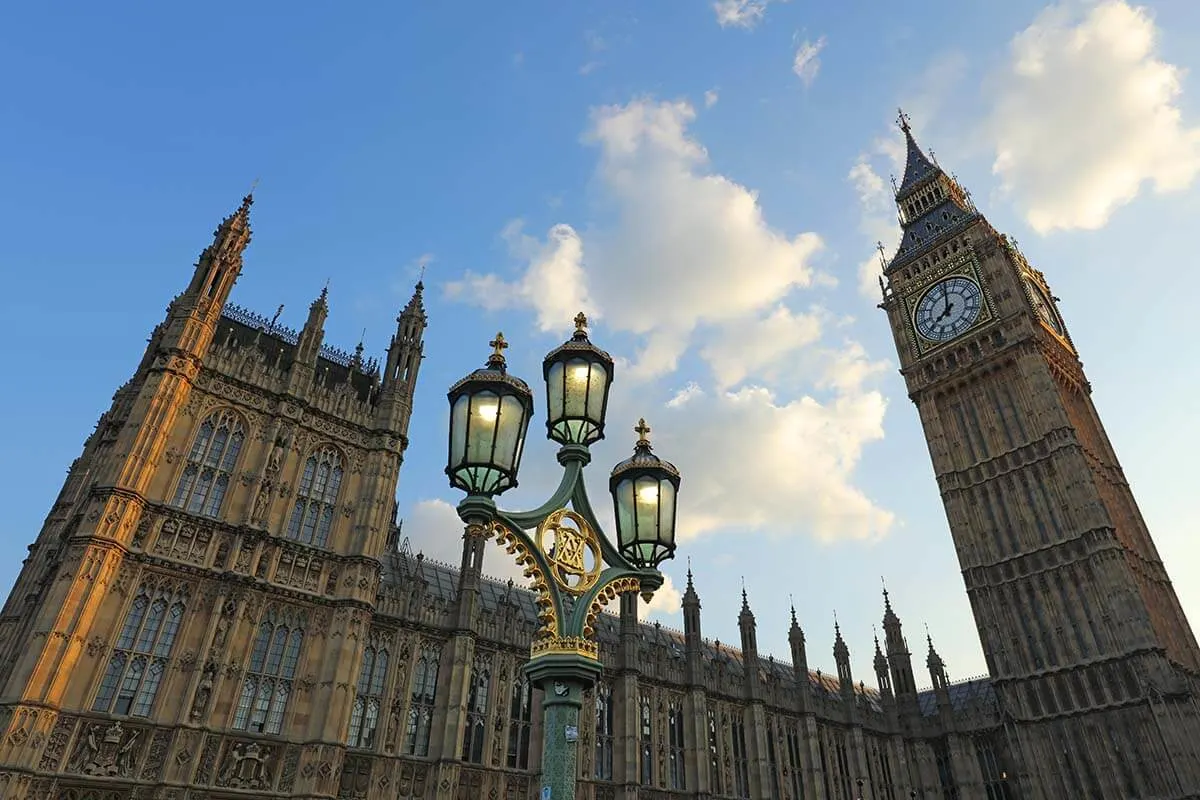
<point x="644" y="490"/>
<point x="578" y="376"/>
<point x="489" y="417"/>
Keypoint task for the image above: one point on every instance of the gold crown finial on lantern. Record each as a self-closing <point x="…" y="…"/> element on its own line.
<point x="643" y="432"/>
<point x="581" y="321"/>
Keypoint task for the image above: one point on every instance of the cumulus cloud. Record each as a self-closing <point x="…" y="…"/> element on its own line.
<point x="754" y="462"/>
<point x="711" y="97"/>
<point x="740" y="13"/>
<point x="807" y="61"/>
<point x="681" y="232"/>
<point x="666" y="602"/>
<point x="1086" y="114"/>
<point x="769" y="435"/>
<point x="554" y="283"/>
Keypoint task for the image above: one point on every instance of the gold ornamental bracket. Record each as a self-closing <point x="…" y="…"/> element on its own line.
<point x="572" y="549"/>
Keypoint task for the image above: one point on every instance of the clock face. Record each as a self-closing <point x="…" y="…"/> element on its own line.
<point x="948" y="308"/>
<point x="1044" y="306"/>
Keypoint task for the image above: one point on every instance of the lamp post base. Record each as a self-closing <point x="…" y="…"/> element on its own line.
<point x="562" y="678"/>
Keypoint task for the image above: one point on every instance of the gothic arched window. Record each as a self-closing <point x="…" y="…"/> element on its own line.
<point x="139" y="660"/>
<point x="364" y="718"/>
<point x="424" y="694"/>
<point x="675" y="732"/>
<point x="646" y="742"/>
<point x="520" y="721"/>
<point x="268" y="684"/>
<point x="477" y="707"/>
<point x="316" y="496"/>
<point x="714" y="756"/>
<point x="741" y="763"/>
<point x="604" y="733"/>
<point x="210" y="464"/>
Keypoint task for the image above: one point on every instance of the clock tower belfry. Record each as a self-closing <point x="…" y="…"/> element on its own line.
<point x="1094" y="664"/>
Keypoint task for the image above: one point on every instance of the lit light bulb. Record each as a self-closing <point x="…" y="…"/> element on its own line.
<point x="488" y="411"/>
<point x="579" y="374"/>
<point x="648" y="494"/>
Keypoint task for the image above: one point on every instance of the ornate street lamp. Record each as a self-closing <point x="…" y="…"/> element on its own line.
<point x="578" y="376"/>
<point x="574" y="569"/>
<point x="489" y="416"/>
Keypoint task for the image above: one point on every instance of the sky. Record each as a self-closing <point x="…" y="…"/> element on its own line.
<point x="707" y="180"/>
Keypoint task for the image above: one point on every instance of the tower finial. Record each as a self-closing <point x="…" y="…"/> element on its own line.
<point x="904" y="122"/>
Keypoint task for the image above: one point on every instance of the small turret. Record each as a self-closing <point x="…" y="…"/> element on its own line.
<point x="403" y="362"/>
<point x="799" y="660"/>
<point x="841" y="655"/>
<point x="691" y="612"/>
<point x="748" y="627"/>
<point x="899" y="658"/>
<point x="308" y="345"/>
<point x="692" y="640"/>
<point x="881" y="671"/>
<point x="937" y="667"/>
<point x="221" y="262"/>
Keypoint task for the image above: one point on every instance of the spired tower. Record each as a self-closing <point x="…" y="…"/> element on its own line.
<point x="1095" y="666"/>
<point x="206" y="578"/>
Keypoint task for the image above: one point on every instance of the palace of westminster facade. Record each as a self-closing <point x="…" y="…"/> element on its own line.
<point x="218" y="605"/>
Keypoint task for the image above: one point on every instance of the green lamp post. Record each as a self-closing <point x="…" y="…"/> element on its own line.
<point x="574" y="569"/>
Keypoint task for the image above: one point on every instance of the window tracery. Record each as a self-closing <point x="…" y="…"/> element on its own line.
<point x="646" y="741"/>
<point x="675" y="743"/>
<point x="477" y="709"/>
<point x="210" y="463"/>
<point x="424" y="695"/>
<point x="139" y="659"/>
<point x="372" y="679"/>
<point x="520" y="722"/>
<point x="604" y="732"/>
<point x="267" y="686"/>
<point x="316" y="497"/>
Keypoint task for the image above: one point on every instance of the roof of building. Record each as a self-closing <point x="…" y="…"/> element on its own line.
<point x="442" y="582"/>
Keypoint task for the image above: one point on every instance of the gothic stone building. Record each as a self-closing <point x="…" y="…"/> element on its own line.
<point x="218" y="605"/>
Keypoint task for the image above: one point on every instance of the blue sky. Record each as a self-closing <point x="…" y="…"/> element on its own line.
<point x="674" y="168"/>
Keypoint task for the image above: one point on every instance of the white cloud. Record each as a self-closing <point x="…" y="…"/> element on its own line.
<point x="1086" y="113"/>
<point x="753" y="462"/>
<point x="740" y="13"/>
<point x="807" y="61"/>
<point x="433" y="528"/>
<point x="711" y="97"/>
<point x="681" y="231"/>
<point x="757" y="347"/>
<point x="878" y="221"/>
<point x="666" y="602"/>
<point x="554" y="283"/>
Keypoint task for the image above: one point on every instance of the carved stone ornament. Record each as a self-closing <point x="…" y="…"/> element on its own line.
<point x="246" y="766"/>
<point x="204" y="691"/>
<point x="108" y="751"/>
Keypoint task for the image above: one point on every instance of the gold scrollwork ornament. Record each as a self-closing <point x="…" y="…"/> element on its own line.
<point x="572" y="549"/>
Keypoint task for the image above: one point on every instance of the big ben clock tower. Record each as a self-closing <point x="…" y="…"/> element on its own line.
<point x="1094" y="664"/>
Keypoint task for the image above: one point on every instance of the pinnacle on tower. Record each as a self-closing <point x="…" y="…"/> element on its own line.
<point x="917" y="165"/>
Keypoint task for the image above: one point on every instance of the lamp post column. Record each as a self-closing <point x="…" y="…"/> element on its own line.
<point x="563" y="678"/>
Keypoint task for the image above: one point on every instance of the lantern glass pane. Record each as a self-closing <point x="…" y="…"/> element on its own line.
<point x="554" y="391"/>
<point x="597" y="386"/>
<point x="666" y="516"/>
<point x="626" y="516"/>
<point x="648" y="502"/>
<point x="459" y="424"/>
<point x="510" y="414"/>
<point x="576" y="388"/>
<point x="484" y="419"/>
